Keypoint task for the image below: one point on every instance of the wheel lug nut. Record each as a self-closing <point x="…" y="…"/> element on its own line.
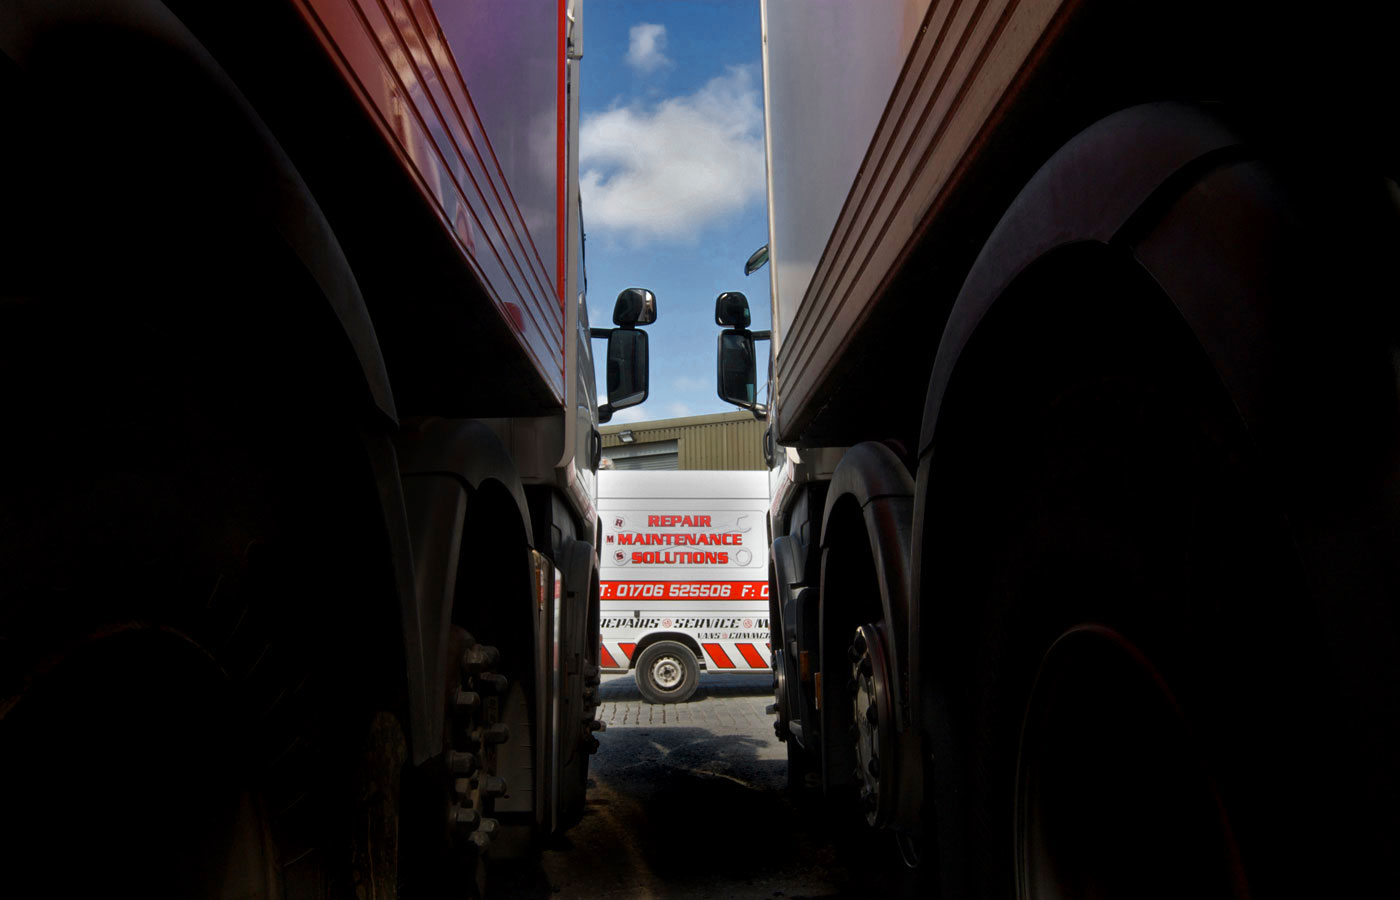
<point x="852" y="653"/>
<point x="462" y="789"/>
<point x="479" y="658"/>
<point x="873" y="767"/>
<point x="465" y="817"/>
<point x="871" y="715"/>
<point x="467" y="701"/>
<point x="484" y="832"/>
<point x="490" y="681"/>
<point x="596" y="725"/>
<point x="859" y="644"/>
<point x="491" y="785"/>
<point x="460" y="763"/>
<point x="498" y="733"/>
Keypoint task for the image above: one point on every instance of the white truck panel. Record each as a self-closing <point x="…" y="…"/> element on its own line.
<point x="829" y="70"/>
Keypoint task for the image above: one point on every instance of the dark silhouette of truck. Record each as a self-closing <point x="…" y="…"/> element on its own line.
<point x="1083" y="386"/>
<point x="298" y="581"/>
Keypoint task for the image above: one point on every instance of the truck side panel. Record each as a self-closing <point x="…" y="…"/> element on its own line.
<point x="960" y="65"/>
<point x="405" y="66"/>
<point x="829" y="66"/>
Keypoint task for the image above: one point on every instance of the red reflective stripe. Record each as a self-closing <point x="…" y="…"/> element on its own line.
<point x="607" y="659"/>
<point x="718" y="656"/>
<point x="628" y="648"/>
<point x="752" y="656"/>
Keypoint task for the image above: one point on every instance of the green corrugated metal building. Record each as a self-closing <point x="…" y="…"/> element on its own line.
<point x="730" y="440"/>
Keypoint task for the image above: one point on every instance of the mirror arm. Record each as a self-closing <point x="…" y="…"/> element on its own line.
<point x="599" y="334"/>
<point x="762" y="335"/>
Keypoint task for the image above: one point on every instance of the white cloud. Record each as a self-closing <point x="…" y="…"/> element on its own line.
<point x="692" y="382"/>
<point x="646" y="48"/>
<point x="665" y="171"/>
<point x="629" y="415"/>
<point x="677" y="409"/>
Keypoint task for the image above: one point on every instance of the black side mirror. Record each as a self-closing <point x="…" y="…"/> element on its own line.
<point x="628" y="368"/>
<point x="732" y="310"/>
<point x="635" y="306"/>
<point x="738" y="369"/>
<point x="627" y="362"/>
<point x="757" y="261"/>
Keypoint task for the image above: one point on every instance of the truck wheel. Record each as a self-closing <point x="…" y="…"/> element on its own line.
<point x="243" y="757"/>
<point x="200" y="624"/>
<point x="1130" y="621"/>
<point x="667" y="672"/>
<point x="579" y="679"/>
<point x="1137" y="633"/>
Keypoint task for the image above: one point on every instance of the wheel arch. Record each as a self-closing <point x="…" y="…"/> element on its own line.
<point x="1088" y="191"/>
<point x="657" y="637"/>
<point x="455" y="473"/>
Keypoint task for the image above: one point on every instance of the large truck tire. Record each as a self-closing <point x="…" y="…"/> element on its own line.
<point x="867" y="751"/>
<point x="477" y="796"/>
<point x="1157" y="539"/>
<point x="1124" y="698"/>
<point x="184" y="660"/>
<point x="199" y="618"/>
<point x="667" y="672"/>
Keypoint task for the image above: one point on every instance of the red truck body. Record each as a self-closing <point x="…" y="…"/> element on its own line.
<point x="443" y="120"/>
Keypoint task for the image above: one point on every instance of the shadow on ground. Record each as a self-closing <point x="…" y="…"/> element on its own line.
<point x="684" y="812"/>
<point x="623" y="688"/>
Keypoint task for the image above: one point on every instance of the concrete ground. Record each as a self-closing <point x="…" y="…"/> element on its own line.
<point x="689" y="801"/>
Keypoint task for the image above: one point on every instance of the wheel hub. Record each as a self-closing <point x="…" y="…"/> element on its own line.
<point x="873" y="729"/>
<point x="592" y="679"/>
<point x="667" y="673"/>
<point x="476" y="731"/>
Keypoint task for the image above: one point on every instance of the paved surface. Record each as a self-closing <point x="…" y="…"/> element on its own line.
<point x="689" y="801"/>
<point x="723" y="704"/>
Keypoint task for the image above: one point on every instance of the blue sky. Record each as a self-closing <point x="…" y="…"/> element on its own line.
<point x="672" y="172"/>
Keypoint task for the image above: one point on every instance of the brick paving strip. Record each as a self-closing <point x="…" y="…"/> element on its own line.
<point x="723" y="703"/>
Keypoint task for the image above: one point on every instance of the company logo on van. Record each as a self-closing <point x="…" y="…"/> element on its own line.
<point x="681" y="538"/>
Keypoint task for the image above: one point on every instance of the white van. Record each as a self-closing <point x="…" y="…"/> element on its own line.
<point x="684" y="577"/>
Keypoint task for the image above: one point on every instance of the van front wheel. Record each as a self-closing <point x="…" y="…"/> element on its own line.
<point x="667" y="672"/>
